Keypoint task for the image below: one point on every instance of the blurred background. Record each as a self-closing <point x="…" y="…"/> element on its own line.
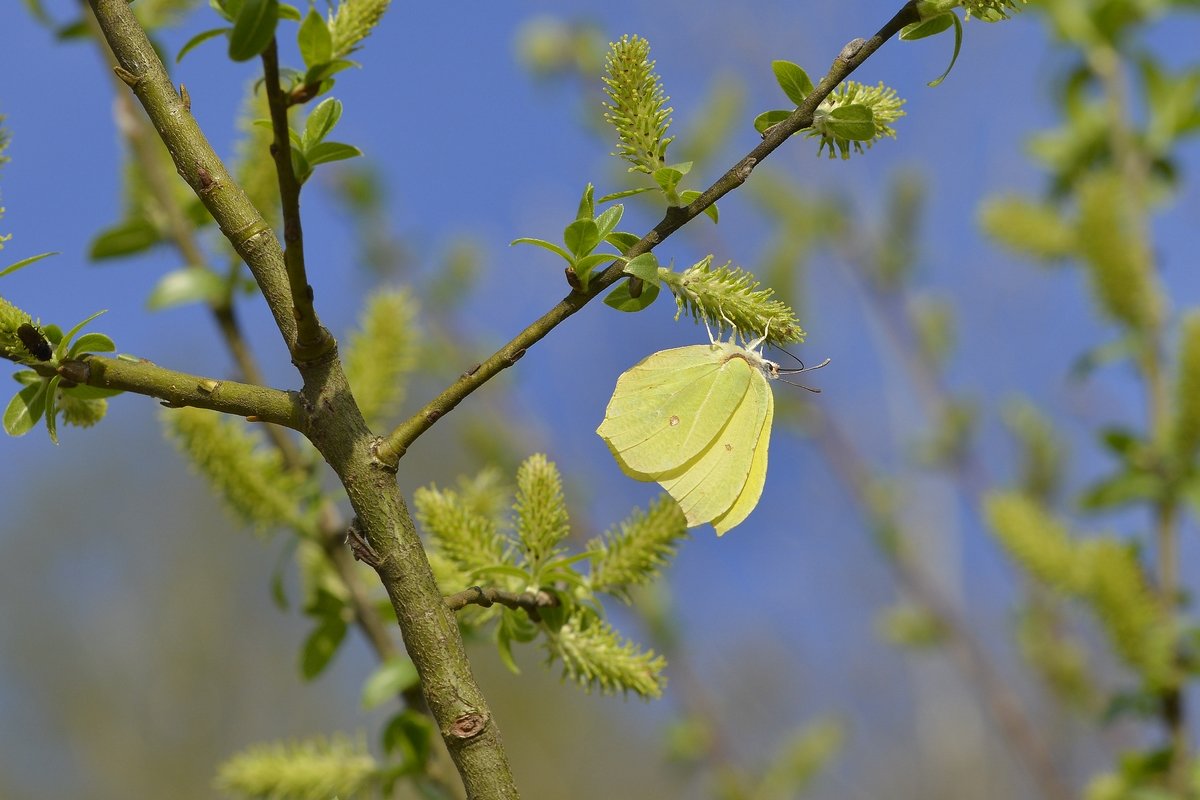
<point x="139" y="644"/>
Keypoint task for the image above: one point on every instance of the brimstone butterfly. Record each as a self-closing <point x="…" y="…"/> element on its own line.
<point x="698" y="421"/>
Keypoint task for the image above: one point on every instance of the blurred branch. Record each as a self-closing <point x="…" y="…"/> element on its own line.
<point x="851" y="56"/>
<point x="1001" y="702"/>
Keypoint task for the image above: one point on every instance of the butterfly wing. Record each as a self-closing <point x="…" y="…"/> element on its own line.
<point x="668" y="408"/>
<point x="713" y="486"/>
<point x="752" y="490"/>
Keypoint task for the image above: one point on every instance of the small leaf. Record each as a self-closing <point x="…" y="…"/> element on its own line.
<point x="300" y="166"/>
<point x="667" y="178"/>
<point x="608" y="220"/>
<point x="123" y="239"/>
<point x="321" y="72"/>
<point x="320" y="122"/>
<point x="769" y="119"/>
<point x="1123" y="489"/>
<point x="325" y="152"/>
<point x="254" y="29"/>
<point x="584" y="266"/>
<point x="957" y="46"/>
<point x="581" y="237"/>
<point x="793" y="80"/>
<point x="645" y="267"/>
<point x="542" y="243"/>
<point x="620" y="299"/>
<point x="187" y="285"/>
<point x="25" y="409"/>
<point x="199" y="39"/>
<point x="409" y="734"/>
<point x="92" y="343"/>
<point x="52" y="407"/>
<point x="587" y="205"/>
<point x="622" y="241"/>
<point x="853" y="122"/>
<point x="60" y="346"/>
<point x="388" y="680"/>
<point x="24" y="262"/>
<point x="289" y="12"/>
<point x="321" y="646"/>
<point x="26" y="377"/>
<point x="627" y="193"/>
<point x="929" y="27"/>
<point x="690" y="196"/>
<point x="314" y="39"/>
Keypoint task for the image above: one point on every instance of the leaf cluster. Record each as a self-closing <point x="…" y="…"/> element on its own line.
<point x="527" y="554"/>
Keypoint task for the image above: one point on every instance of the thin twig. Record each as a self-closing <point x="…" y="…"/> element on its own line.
<point x="531" y="602"/>
<point x="851" y="56"/>
<point x="313" y="340"/>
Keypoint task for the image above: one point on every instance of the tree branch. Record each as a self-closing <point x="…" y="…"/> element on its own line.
<point x="313" y="339"/>
<point x="849" y="59"/>
<point x="479" y="596"/>
<point x="176" y="389"/>
<point x="195" y="160"/>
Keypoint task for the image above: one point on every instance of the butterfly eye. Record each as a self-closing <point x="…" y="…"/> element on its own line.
<point x="34" y="342"/>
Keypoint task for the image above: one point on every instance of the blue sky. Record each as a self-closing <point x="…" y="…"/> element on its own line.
<point x="469" y="144"/>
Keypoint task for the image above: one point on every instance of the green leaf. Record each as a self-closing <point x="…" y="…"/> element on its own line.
<point x="627" y="193"/>
<point x="123" y="239"/>
<point x="187" y="285"/>
<point x="24" y="262"/>
<point x="25" y="409"/>
<point x="289" y="12"/>
<point x="502" y="570"/>
<point x="60" y="346"/>
<point x="300" y="166"/>
<point x="929" y="27"/>
<point x="645" y="267"/>
<point x="1123" y="489"/>
<point x="620" y="299"/>
<point x="584" y="266"/>
<point x="587" y="205"/>
<point x="690" y="196"/>
<point x="957" y="47"/>
<point x="769" y="119"/>
<point x="26" y="377"/>
<point x="409" y="734"/>
<point x="581" y="237"/>
<point x="320" y="122"/>
<point x="622" y="241"/>
<point x="325" y="152"/>
<point x="92" y="343"/>
<point x="668" y="178"/>
<point x="52" y="407"/>
<point x="853" y="122"/>
<point x="321" y="646"/>
<point x="542" y="243"/>
<point x="314" y="39"/>
<point x="793" y="80"/>
<point x="253" y="29"/>
<point x="608" y="219"/>
<point x="321" y="72"/>
<point x="388" y="680"/>
<point x="199" y="39"/>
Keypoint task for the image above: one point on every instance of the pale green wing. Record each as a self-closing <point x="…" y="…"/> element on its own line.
<point x="748" y="499"/>
<point x="709" y="486"/>
<point x="667" y="409"/>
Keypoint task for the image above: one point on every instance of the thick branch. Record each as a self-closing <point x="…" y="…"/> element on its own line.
<point x="852" y="55"/>
<point x="176" y="389"/>
<point x="195" y="160"/>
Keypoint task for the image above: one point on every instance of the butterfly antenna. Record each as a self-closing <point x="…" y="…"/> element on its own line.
<point x="797" y="371"/>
